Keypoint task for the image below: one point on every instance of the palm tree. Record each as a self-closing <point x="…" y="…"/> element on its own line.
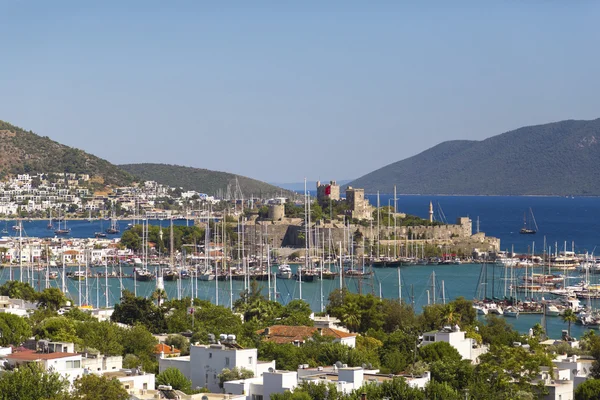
<point x="351" y="316"/>
<point x="569" y="317"/>
<point x="450" y="314"/>
<point x="159" y="295"/>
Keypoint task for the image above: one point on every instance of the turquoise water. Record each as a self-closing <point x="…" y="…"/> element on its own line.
<point x="574" y="221"/>
<point x="458" y="280"/>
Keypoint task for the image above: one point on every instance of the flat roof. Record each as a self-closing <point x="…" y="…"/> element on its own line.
<point x="30" y="355"/>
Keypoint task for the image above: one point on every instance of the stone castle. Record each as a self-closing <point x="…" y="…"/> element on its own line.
<point x="355" y="198"/>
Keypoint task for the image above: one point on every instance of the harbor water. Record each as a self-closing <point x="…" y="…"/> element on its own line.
<point x="562" y="221"/>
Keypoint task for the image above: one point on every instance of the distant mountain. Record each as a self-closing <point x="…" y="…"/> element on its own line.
<point x="310" y="185"/>
<point x="202" y="180"/>
<point x="25" y="152"/>
<point x="561" y="158"/>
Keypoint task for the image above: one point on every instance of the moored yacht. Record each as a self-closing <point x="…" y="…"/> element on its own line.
<point x="284" y="272"/>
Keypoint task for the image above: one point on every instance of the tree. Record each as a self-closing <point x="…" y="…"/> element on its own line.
<point x="439" y="351"/>
<point x="94" y="387"/>
<point x="104" y="336"/>
<point x="132" y="310"/>
<point x="51" y="298"/>
<point x="18" y="290"/>
<point x="569" y="317"/>
<point x="588" y="390"/>
<point x="174" y="378"/>
<point x="439" y="390"/>
<point x="58" y="329"/>
<point x="159" y="295"/>
<point x="31" y="382"/>
<point x="140" y="342"/>
<point x="296" y="312"/>
<point x="234" y="374"/>
<point x="131" y="240"/>
<point x="13" y="329"/>
<point x="180" y="342"/>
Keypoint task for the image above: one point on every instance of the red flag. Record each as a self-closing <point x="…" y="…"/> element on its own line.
<point x="328" y="190"/>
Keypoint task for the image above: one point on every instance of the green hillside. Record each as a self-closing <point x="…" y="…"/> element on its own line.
<point x="201" y="180"/>
<point x="561" y="158"/>
<point x="23" y="151"/>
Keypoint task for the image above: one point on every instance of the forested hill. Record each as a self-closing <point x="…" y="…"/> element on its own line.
<point x="561" y="158"/>
<point x="23" y="151"/>
<point x="202" y="180"/>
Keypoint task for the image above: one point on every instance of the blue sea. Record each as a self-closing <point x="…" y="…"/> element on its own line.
<point x="560" y="220"/>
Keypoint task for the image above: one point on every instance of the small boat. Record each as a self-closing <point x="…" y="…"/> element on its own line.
<point x="52" y="275"/>
<point x="206" y="276"/>
<point x="137" y="262"/>
<point x="552" y="310"/>
<point x="114" y="225"/>
<point x="77" y="276"/>
<point x="143" y="274"/>
<point x="329" y="275"/>
<point x="16" y="228"/>
<point x="305" y="276"/>
<point x="511" y="311"/>
<point x="525" y="230"/>
<point x="284" y="272"/>
<point x="480" y="309"/>
<point x="64" y="231"/>
<point x="170" y="275"/>
<point x="100" y="235"/>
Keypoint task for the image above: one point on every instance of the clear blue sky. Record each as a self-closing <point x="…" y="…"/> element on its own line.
<point x="282" y="92"/>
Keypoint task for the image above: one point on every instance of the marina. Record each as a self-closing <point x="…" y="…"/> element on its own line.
<point x="515" y="281"/>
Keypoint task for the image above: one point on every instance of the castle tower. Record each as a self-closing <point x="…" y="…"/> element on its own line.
<point x="430" y="211"/>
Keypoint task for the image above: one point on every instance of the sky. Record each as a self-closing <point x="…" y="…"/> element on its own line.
<point x="282" y="91"/>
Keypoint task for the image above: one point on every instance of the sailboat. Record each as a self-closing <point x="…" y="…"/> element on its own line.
<point x="100" y="234"/>
<point x="525" y="230"/>
<point x="114" y="225"/>
<point x="64" y="231"/>
<point x="50" y="225"/>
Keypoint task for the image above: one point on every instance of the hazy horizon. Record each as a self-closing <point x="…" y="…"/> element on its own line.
<point x="279" y="92"/>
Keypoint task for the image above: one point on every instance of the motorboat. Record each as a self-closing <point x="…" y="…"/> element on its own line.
<point x="284" y="272"/>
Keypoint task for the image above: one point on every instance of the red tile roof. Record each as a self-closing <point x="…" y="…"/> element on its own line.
<point x="289" y="334"/>
<point x="163" y="348"/>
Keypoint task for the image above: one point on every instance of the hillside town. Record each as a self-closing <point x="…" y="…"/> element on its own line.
<point x="193" y="311"/>
<point x="45" y="195"/>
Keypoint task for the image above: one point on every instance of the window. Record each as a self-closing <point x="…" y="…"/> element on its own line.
<point x="73" y="364"/>
<point x="250" y="360"/>
<point x="206" y="378"/>
<point x="209" y="355"/>
<point x="257" y="397"/>
<point x="145" y="386"/>
<point x="226" y="361"/>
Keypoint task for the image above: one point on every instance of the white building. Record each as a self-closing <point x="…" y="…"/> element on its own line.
<point x="261" y="388"/>
<point x="133" y="381"/>
<point x="16" y="306"/>
<point x="68" y="365"/>
<point x="345" y="379"/>
<point x="558" y="384"/>
<point x="206" y="362"/>
<point x="578" y="369"/>
<point x="466" y="347"/>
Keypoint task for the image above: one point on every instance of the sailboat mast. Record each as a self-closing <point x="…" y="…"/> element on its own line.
<point x="399" y="286"/>
<point x="106" y="282"/>
<point x="20" y="251"/>
<point x="433" y="286"/>
<point x="341" y="269"/>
